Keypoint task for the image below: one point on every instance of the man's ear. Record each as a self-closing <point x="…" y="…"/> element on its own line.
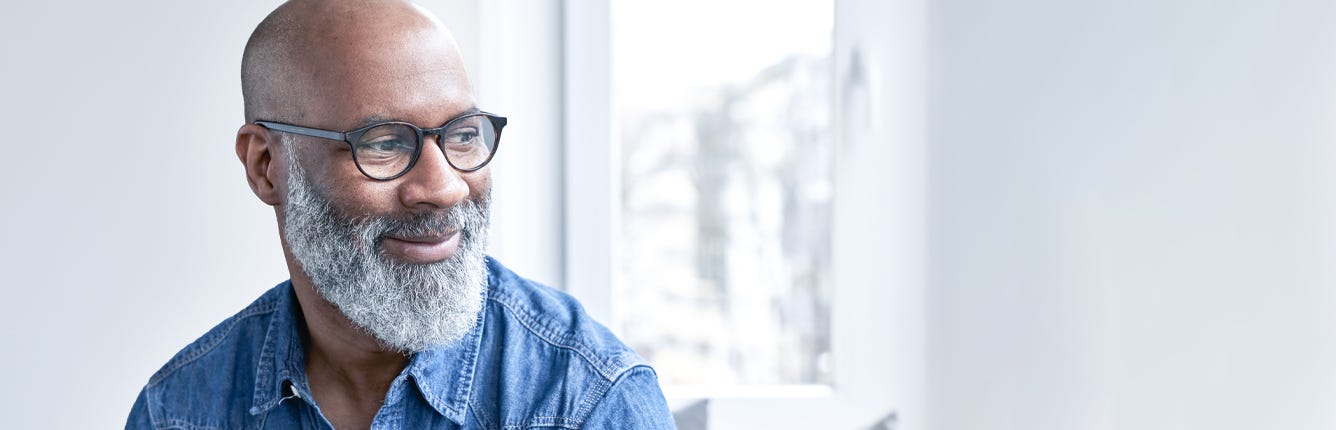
<point x="256" y="152"/>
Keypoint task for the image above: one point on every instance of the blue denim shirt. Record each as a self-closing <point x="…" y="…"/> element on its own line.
<point x="534" y="361"/>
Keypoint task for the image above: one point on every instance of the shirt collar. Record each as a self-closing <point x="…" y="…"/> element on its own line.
<point x="282" y="362"/>
<point x="443" y="375"/>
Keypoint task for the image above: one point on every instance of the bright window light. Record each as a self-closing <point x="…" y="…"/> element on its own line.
<point x="722" y="119"/>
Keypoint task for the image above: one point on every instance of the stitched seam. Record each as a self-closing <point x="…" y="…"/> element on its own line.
<point x="595" y="397"/>
<point x="470" y="370"/>
<point x="270" y="401"/>
<point x="528" y="322"/>
<point x="184" y="425"/>
<point x="150" y="401"/>
<point x="264" y="417"/>
<point x="263" y="368"/>
<point x="548" y="333"/>
<point x="213" y="342"/>
<point x="610" y="368"/>
<point x="473" y="407"/>
<point x="430" y="394"/>
<point x="587" y="407"/>
<point x="546" y="421"/>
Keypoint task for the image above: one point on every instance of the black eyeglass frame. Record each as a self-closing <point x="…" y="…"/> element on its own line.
<point x="350" y="137"/>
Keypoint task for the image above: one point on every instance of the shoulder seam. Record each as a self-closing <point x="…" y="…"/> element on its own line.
<point x="174" y="424"/>
<point x="585" y="412"/>
<point x="529" y="323"/>
<point x="199" y="350"/>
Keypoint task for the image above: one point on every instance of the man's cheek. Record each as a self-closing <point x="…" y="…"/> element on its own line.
<point x="480" y="186"/>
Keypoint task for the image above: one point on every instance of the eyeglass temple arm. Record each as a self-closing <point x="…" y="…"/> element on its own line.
<point x="314" y="132"/>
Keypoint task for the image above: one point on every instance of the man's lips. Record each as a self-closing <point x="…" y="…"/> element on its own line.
<point x="422" y="249"/>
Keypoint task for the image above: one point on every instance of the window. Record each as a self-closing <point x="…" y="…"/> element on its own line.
<point x="861" y="362"/>
<point x="725" y="146"/>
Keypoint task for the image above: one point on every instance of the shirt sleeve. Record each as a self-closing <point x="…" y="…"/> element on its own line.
<point x="634" y="401"/>
<point x="139" y="418"/>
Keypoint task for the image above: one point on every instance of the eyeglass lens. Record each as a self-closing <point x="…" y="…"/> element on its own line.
<point x="468" y="142"/>
<point x="387" y="150"/>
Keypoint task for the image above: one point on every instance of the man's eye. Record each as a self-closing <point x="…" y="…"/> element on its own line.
<point x="461" y="137"/>
<point x="386" y="145"/>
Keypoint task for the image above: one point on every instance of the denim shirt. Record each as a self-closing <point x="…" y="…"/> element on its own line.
<point x="535" y="360"/>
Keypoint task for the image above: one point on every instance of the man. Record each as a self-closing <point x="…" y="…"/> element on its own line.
<point x="362" y="132"/>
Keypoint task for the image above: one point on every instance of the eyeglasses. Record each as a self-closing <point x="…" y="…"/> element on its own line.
<point x="388" y="150"/>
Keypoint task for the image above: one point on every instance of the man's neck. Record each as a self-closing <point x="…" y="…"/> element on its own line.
<point x="332" y="340"/>
<point x="348" y="370"/>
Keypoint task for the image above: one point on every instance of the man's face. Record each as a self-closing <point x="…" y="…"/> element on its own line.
<point x="416" y="78"/>
<point x="402" y="259"/>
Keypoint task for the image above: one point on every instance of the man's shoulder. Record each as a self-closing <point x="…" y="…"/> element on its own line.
<point x="555" y="321"/>
<point x="241" y="331"/>
<point x="217" y="370"/>
<point x="560" y="367"/>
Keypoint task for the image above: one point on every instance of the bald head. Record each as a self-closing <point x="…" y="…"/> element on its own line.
<point x="309" y="54"/>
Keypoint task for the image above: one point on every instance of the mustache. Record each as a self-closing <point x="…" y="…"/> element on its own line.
<point x="464" y="218"/>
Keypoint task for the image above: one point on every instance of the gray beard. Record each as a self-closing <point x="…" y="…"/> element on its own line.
<point x="406" y="307"/>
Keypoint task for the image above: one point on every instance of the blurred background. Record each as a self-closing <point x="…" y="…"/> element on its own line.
<point x="846" y="214"/>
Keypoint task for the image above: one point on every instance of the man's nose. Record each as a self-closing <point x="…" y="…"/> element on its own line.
<point x="432" y="183"/>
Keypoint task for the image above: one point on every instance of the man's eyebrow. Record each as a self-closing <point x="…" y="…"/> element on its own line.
<point x="374" y="119"/>
<point x="470" y="111"/>
<point x="377" y="119"/>
<point x="466" y="112"/>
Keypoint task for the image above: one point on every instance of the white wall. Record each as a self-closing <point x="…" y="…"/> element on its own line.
<point x="1132" y="210"/>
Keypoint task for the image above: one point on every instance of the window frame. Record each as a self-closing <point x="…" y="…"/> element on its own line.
<point x="879" y="218"/>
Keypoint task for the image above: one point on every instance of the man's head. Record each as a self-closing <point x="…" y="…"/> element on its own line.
<point x="402" y="258"/>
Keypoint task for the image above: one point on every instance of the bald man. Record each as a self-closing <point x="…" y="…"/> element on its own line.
<point x="364" y="136"/>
